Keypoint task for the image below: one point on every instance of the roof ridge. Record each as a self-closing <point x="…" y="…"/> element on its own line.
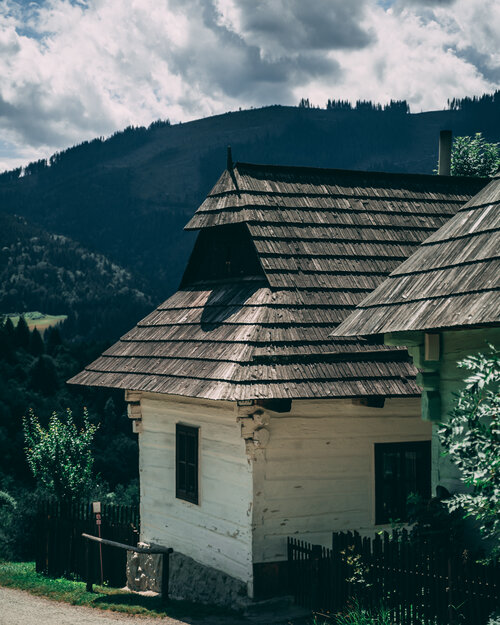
<point x="359" y="172"/>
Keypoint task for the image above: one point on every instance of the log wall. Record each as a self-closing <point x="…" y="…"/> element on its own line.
<point x="316" y="472"/>
<point x="217" y="532"/>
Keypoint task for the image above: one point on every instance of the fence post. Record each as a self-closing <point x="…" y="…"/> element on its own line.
<point x="165" y="576"/>
<point x="315" y="576"/>
<point x="291" y="586"/>
<point x="452" y="614"/>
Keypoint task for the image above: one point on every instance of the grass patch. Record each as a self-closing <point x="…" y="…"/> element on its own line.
<point x="22" y="575"/>
<point x="38" y="320"/>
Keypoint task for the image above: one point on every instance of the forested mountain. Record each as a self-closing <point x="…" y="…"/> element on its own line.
<point x="49" y="272"/>
<point x="129" y="196"/>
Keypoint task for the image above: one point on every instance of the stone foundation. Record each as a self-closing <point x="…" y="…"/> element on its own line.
<point x="189" y="580"/>
<point x="144" y="571"/>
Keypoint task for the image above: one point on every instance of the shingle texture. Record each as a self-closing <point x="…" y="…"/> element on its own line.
<point x="300" y="248"/>
<point x="451" y="281"/>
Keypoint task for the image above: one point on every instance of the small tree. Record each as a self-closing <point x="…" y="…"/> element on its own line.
<point x="474" y="156"/>
<point x="37" y="346"/>
<point x="22" y="334"/>
<point x="43" y="375"/>
<point x="471" y="439"/>
<point x="60" y="457"/>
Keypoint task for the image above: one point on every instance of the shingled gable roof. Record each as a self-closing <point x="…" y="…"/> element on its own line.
<point x="322" y="239"/>
<point x="452" y="281"/>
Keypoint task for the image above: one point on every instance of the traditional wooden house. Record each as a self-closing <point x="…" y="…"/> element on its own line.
<point x="444" y="304"/>
<point x="254" y="424"/>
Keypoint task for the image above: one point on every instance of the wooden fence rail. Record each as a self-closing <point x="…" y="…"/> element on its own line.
<point x="61" y="548"/>
<point x="153" y="549"/>
<point x="418" y="582"/>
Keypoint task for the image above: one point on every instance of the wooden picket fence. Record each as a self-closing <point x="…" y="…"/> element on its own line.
<point x="60" y="548"/>
<point x="417" y="582"/>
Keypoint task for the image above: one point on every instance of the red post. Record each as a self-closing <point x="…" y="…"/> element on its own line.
<point x="98" y="523"/>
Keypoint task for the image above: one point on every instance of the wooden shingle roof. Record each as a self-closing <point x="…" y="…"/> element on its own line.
<point x="301" y="247"/>
<point x="451" y="281"/>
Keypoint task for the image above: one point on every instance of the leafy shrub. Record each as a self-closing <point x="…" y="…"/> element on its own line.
<point x="358" y="615"/>
<point x="18" y="518"/>
<point x="474" y="156"/>
<point x="471" y="439"/>
<point x="60" y="457"/>
<point x="8" y="506"/>
<point x="433" y="522"/>
<point x="121" y="495"/>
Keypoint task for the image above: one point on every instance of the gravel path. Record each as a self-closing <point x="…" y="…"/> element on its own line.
<point x="20" y="608"/>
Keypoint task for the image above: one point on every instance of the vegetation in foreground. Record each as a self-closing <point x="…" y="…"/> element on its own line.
<point x="471" y="440"/>
<point x="33" y="370"/>
<point x="356" y="614"/>
<point x="22" y="575"/>
<point x="474" y="156"/>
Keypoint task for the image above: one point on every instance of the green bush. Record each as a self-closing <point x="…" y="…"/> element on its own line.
<point x="8" y="506"/>
<point x="474" y="156"/>
<point x="471" y="440"/>
<point x="18" y="517"/>
<point x="355" y="614"/>
<point x="60" y="456"/>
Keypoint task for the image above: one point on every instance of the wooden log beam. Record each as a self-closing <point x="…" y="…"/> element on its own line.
<point x="113" y="543"/>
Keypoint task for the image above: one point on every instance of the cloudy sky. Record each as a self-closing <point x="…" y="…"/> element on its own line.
<point x="75" y="69"/>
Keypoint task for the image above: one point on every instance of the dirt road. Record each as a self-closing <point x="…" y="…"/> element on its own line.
<point x="21" y="608"/>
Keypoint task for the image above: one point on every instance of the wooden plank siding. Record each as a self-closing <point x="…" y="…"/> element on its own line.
<point x="316" y="473"/>
<point x="217" y="531"/>
<point x="283" y="256"/>
<point x="313" y="474"/>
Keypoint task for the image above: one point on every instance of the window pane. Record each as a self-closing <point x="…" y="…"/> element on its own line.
<point x="181" y="446"/>
<point x="190" y="448"/>
<point x="400" y="469"/>
<point x="410" y="472"/>
<point x="187" y="463"/>
<point x="391" y="476"/>
<point x="181" y="468"/>
<point x="190" y="483"/>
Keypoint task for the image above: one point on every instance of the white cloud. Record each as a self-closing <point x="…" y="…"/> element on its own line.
<point x="284" y="27"/>
<point x="416" y="57"/>
<point x="74" y="70"/>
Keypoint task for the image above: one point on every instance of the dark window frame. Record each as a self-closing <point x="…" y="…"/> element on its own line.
<point x="187" y="464"/>
<point x="421" y="479"/>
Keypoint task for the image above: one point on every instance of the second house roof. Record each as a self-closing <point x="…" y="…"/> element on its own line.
<point x="452" y="280"/>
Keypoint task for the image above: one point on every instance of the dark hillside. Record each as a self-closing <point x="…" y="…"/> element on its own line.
<point x="52" y="272"/>
<point x="129" y="197"/>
